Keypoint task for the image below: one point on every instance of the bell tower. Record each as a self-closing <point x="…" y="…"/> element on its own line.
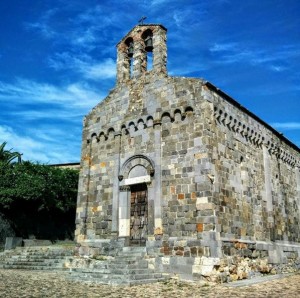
<point x="135" y="49"/>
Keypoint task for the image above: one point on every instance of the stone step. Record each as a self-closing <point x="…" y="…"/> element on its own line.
<point x="111" y="276"/>
<point x="118" y="280"/>
<point x="36" y="258"/>
<point x="41" y="256"/>
<point x="31" y="263"/>
<point x="29" y="258"/>
<point x="137" y="265"/>
<point x="129" y="267"/>
<point x="113" y="271"/>
<point x="41" y="249"/>
<point x="37" y="267"/>
<point x="37" y="255"/>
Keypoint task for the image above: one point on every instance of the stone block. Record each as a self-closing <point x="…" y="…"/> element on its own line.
<point x="12" y="242"/>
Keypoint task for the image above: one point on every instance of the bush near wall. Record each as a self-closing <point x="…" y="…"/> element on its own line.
<point x="39" y="200"/>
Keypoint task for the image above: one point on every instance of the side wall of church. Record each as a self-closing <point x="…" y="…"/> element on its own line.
<point x="255" y="184"/>
<point x="234" y="195"/>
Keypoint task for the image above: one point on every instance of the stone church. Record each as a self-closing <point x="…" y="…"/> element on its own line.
<point x="177" y="166"/>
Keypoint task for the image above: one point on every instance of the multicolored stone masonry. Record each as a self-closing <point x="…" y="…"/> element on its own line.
<point x="214" y="180"/>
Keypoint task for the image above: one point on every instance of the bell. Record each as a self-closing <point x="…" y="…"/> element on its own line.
<point x="130" y="50"/>
<point x="148" y="44"/>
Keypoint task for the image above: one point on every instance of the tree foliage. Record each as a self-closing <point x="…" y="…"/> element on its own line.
<point x="7" y="156"/>
<point x="49" y="187"/>
<point x="38" y="199"/>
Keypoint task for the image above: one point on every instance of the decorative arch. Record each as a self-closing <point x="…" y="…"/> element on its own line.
<point x="103" y="136"/>
<point x="94" y="136"/>
<point x="136" y="160"/>
<point x="177" y="115"/>
<point x="141" y="124"/>
<point x="189" y="109"/>
<point x="165" y="116"/>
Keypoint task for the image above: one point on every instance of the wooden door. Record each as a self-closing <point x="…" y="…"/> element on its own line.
<point x="138" y="215"/>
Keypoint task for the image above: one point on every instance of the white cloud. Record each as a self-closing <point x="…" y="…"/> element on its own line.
<point x="76" y="95"/>
<point x="25" y="145"/>
<point x="277" y="68"/>
<point x="83" y="30"/>
<point x="287" y="125"/>
<point x="87" y="38"/>
<point x="158" y="2"/>
<point x="85" y="65"/>
<point x="220" y="47"/>
<point x="29" y="128"/>
<point x="42" y="26"/>
<point x="38" y="146"/>
<point x="105" y="70"/>
<point x="275" y="59"/>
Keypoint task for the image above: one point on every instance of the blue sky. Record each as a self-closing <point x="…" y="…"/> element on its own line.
<point x="57" y="61"/>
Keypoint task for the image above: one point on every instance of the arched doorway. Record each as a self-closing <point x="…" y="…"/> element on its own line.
<point x="138" y="214"/>
<point x="137" y="199"/>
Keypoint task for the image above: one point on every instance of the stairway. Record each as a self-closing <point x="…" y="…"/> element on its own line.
<point x="129" y="267"/>
<point x="36" y="258"/>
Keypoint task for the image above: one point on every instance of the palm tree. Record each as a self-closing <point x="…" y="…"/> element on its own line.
<point x="7" y="156"/>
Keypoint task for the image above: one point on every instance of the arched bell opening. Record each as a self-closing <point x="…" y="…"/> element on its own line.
<point x="147" y="36"/>
<point x="130" y="51"/>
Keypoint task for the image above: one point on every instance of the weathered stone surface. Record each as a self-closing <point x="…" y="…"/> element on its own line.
<point x="12" y="242"/>
<point x="215" y="174"/>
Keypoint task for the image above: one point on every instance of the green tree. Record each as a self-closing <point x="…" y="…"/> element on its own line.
<point x="39" y="199"/>
<point x="7" y="156"/>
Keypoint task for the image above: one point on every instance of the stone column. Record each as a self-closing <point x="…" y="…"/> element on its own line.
<point x="83" y="194"/>
<point x="268" y="191"/>
<point x="124" y="212"/>
<point x="159" y="50"/>
<point x="151" y="208"/>
<point x="268" y="183"/>
<point x="115" y="200"/>
<point x="139" y="58"/>
<point x="123" y="65"/>
<point x="157" y="190"/>
<point x="297" y="173"/>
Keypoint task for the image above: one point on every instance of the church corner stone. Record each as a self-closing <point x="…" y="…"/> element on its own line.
<point x="176" y="165"/>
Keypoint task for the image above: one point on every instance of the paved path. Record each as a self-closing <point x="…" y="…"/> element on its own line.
<point x="17" y="283"/>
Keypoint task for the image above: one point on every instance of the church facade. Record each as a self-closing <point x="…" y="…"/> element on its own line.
<point x="177" y="166"/>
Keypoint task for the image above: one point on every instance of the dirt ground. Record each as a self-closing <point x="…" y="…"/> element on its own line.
<point x="18" y="283"/>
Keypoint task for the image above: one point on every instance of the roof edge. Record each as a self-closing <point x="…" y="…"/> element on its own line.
<point x="252" y="115"/>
